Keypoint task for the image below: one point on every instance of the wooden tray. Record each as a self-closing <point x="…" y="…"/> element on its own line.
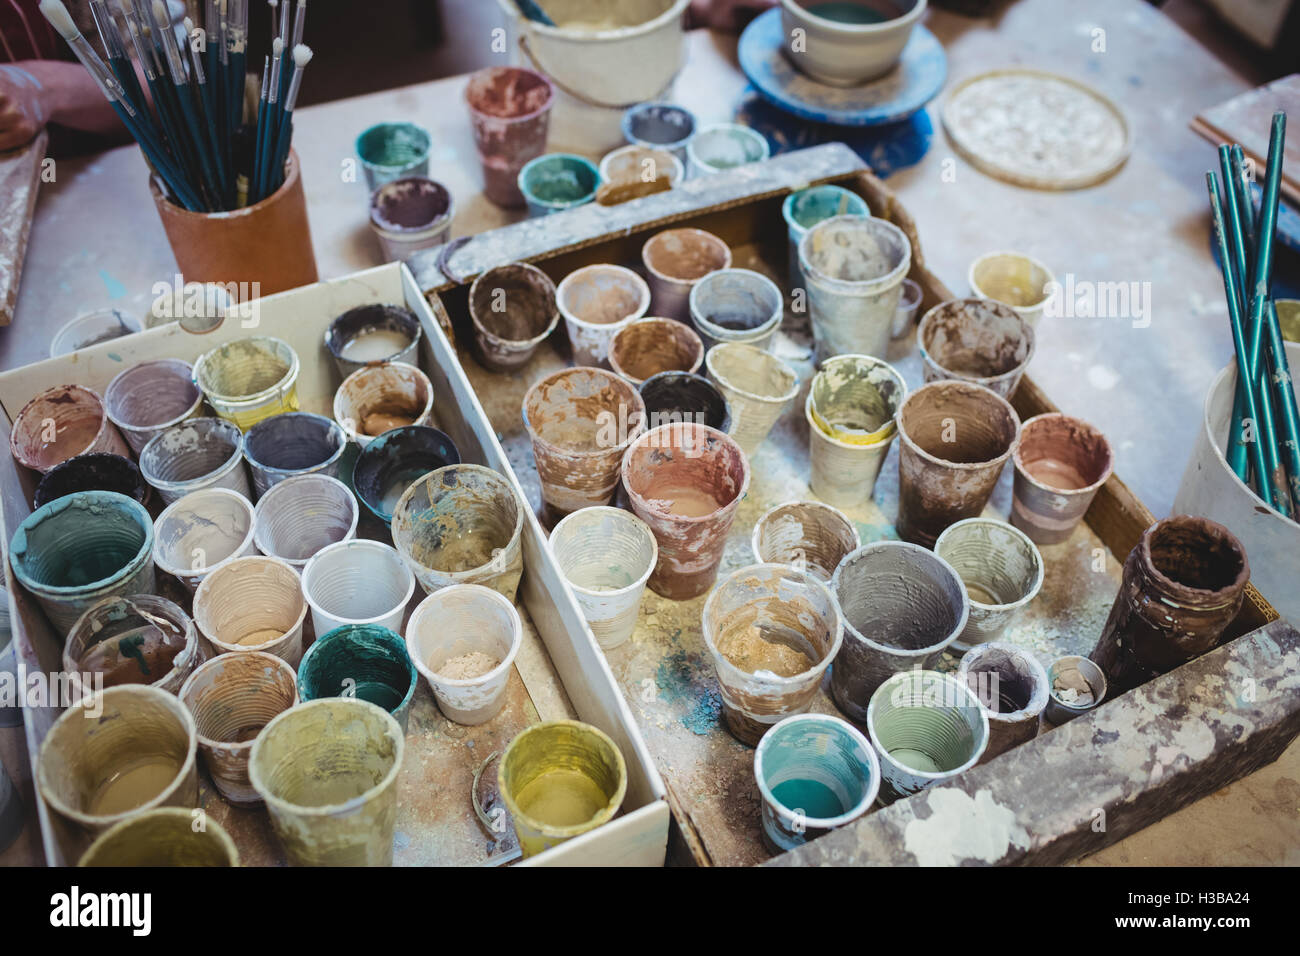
<point x="559" y="671"/>
<point x="664" y="670"/>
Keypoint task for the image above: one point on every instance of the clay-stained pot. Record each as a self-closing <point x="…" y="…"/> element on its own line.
<point x="675" y="260"/>
<point x="650" y="346"/>
<point x="463" y="639"/>
<point x="295" y="443"/>
<point x="327" y="770"/>
<point x="248" y="380"/>
<point x="606" y="555"/>
<point x="1002" y="571"/>
<point x="851" y="408"/>
<point x="462" y="524"/>
<point x="1012" y="687"/>
<point x="151" y="396"/>
<point x="513" y="310"/>
<point x="162" y="837"/>
<point x="299" y="516"/>
<point x="200" y="453"/>
<point x="902" y="607"/>
<point x="390" y="464"/>
<point x="758" y="387"/>
<point x="197" y="533"/>
<point x="133" y="639"/>
<point x="772" y="632"/>
<point x="560" y="779"/>
<point x="61" y="423"/>
<point x="737" y="305"/>
<point x="1183" y="584"/>
<point x="1061" y="463"/>
<point x="975" y="340"/>
<point x="80" y="549"/>
<point x="928" y="728"/>
<point x="98" y="471"/>
<point x="954" y="438"/>
<point x="369" y="334"/>
<point x="115" y="754"/>
<point x="365" y="661"/>
<point x="807" y="535"/>
<point x="725" y="146"/>
<point x="640" y="164"/>
<point x="596" y="301"/>
<point x="510" y="112"/>
<point x="686" y="482"/>
<point x="252" y="604"/>
<point x="853" y="272"/>
<point x="232" y="697"/>
<point x="581" y="420"/>
<point x="265" y="246"/>
<point x="815" y="772"/>
<point x="409" y="215"/>
<point x="555" y="182"/>
<point x="673" y="398"/>
<point x="377" y="398"/>
<point x="393" y="151"/>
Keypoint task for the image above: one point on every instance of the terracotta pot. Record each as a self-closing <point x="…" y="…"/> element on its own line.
<point x="268" y="243"/>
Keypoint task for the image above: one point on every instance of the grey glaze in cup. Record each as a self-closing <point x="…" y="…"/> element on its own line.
<point x="903" y="605"/>
<point x="291" y="444"/>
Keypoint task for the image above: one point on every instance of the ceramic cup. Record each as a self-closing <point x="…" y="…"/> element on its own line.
<point x="848" y="44"/>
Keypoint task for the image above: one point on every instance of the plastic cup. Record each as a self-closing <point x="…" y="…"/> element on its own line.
<point x="248" y="380"/>
<point x="252" y="604"/>
<point x="978" y="341"/>
<point x="363" y="661"/>
<point x="606" y="555"/>
<point x="758" y="387"/>
<point x="61" y="423"/>
<point x="390" y="151"/>
<point x="134" y="639"/>
<point x="557" y="182"/>
<point x="510" y="113"/>
<point x="675" y="260"/>
<point x="1002" y="571"/>
<point x="807" y="535"/>
<point x="295" y="443"/>
<point x="1061" y="463"/>
<point x="151" y="396"/>
<point x="596" y="302"/>
<point x="199" y="453"/>
<point x="1012" y="687"/>
<point x="513" y="311"/>
<point x="647" y="347"/>
<point x="737" y="306"/>
<point x="299" y="516"/>
<point x="198" y="533"/>
<point x="357" y="582"/>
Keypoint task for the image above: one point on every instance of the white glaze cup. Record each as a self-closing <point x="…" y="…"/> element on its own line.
<point x="606" y="555"/>
<point x="357" y="582"/>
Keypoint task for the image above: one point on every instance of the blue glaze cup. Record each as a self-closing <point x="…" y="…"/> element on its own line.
<point x="391" y="151"/>
<point x="815" y="773"/>
<point x="558" y="181"/>
<point x="363" y="661"/>
<point x="78" y="550"/>
<point x="807" y="207"/>
<point x="659" y="126"/>
<point x="393" y="461"/>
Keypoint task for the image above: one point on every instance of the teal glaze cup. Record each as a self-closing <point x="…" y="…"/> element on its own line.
<point x="391" y="151"/>
<point x="363" y="661"/>
<point x="78" y="550"/>
<point x="807" y="207"/>
<point x="815" y="773"/>
<point x="556" y="182"/>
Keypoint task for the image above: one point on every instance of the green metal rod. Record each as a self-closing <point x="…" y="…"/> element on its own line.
<point x="1230" y="287"/>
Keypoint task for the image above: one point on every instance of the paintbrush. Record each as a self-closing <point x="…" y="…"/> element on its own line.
<point x="185" y="100"/>
<point x="532" y="11"/>
<point x="272" y="112"/>
<point x="57" y="14"/>
<point x="118" y="59"/>
<point x="1255" y="448"/>
<point x="291" y="40"/>
<point x="209" y="128"/>
<point x="302" y="55"/>
<point x="261" y="127"/>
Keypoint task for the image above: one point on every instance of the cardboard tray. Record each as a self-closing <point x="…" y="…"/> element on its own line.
<point x="559" y="672"/>
<point x="664" y="669"/>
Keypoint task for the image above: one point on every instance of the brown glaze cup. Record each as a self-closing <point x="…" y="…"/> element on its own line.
<point x="581" y="421"/>
<point x="954" y="438"/>
<point x="674" y="261"/>
<point x="232" y="697"/>
<point x="510" y="112"/>
<point x="1183" y="584"/>
<point x="686" y="482"/>
<point x="650" y="346"/>
<point x="975" y="340"/>
<point x="513" y="310"/>
<point x="267" y="243"/>
<point x="61" y="423"/>
<point x="1060" y="464"/>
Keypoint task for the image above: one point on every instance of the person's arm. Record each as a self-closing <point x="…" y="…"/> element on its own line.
<point x="727" y="15"/>
<point x="36" y="92"/>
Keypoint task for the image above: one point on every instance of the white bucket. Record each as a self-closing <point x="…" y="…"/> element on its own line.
<point x="1211" y="490"/>
<point x="600" y="65"/>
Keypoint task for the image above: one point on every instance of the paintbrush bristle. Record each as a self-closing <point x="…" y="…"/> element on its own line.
<point x="277" y="47"/>
<point x="302" y="54"/>
<point x="60" y="18"/>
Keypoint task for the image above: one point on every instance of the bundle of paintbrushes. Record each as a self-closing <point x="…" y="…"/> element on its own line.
<point x="190" y="120"/>
<point x="1264" y="443"/>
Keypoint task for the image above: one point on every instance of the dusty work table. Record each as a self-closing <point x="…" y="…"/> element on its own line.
<point x="97" y="242"/>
